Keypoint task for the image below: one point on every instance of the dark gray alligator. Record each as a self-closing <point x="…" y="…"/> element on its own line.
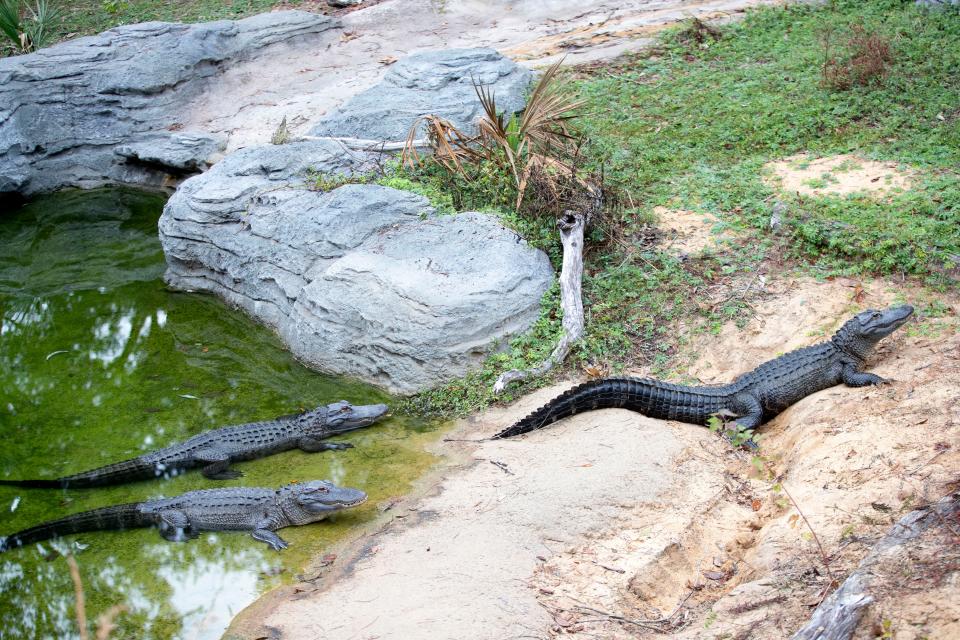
<point x="751" y="399"/>
<point x="260" y="511"/>
<point x="214" y="450"/>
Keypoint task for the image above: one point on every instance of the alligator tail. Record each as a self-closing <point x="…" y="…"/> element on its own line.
<point x="116" y="473"/>
<point x="650" y="397"/>
<point x="123" y="516"/>
<point x="32" y="484"/>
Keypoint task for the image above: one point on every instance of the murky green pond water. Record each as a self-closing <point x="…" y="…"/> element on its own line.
<point x="98" y="363"/>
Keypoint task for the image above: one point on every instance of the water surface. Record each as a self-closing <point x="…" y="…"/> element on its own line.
<point x="99" y="362"/>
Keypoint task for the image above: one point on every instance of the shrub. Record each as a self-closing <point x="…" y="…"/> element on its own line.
<point x="865" y="59"/>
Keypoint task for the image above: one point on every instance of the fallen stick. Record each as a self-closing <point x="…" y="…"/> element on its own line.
<point x="837" y="617"/>
<point x="571" y="227"/>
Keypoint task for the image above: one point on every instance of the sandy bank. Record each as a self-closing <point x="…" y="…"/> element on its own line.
<point x="614" y="514"/>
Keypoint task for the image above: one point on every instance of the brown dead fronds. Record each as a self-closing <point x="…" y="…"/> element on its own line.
<point x="521" y="145"/>
<point x="863" y="59"/>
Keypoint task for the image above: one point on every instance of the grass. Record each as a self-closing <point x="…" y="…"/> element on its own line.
<point x="692" y="124"/>
<point x="86" y="17"/>
<point x="693" y="127"/>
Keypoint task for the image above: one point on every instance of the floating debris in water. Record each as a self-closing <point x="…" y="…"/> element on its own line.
<point x="54" y="353"/>
<point x="188" y="396"/>
<point x="15" y="504"/>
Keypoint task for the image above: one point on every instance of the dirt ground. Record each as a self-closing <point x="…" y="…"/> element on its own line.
<point x="614" y="525"/>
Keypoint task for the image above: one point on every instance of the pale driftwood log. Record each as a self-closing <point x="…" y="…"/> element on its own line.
<point x="837" y="617"/>
<point x="360" y="144"/>
<point x="571" y="225"/>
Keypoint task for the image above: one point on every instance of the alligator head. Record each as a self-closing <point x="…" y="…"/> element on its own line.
<point x="861" y="333"/>
<point x="304" y="502"/>
<point x="341" y="417"/>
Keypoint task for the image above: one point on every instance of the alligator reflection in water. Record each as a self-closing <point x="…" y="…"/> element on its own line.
<point x="99" y="362"/>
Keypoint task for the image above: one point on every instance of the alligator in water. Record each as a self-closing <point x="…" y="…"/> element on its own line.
<point x="260" y="511"/>
<point x="751" y="399"/>
<point x="214" y="450"/>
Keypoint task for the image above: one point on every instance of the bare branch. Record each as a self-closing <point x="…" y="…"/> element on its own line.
<point x="571" y="226"/>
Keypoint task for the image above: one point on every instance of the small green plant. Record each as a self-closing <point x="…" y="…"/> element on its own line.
<point x="736" y="433"/>
<point x="330" y="181"/>
<point x="31" y="31"/>
<point x="281" y="135"/>
<point x="115" y="7"/>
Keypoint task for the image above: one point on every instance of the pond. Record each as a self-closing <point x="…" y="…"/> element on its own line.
<point x="100" y="363"/>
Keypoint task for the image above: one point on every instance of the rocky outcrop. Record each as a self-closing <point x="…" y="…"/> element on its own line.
<point x="432" y="82"/>
<point x="106" y="109"/>
<point x="363" y="280"/>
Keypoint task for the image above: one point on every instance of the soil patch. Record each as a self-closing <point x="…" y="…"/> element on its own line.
<point x="838" y="176"/>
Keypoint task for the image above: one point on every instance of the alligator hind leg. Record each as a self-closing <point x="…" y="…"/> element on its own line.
<point x="312" y="445"/>
<point x="175" y="526"/>
<point x="853" y="378"/>
<point x="750" y="413"/>
<point x="272" y="539"/>
<point x="216" y="463"/>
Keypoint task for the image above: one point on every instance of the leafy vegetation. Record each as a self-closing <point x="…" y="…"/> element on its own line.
<point x="86" y="17"/>
<point x="27" y="27"/>
<point x="691" y="124"/>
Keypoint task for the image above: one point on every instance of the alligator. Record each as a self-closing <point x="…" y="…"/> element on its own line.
<point x="751" y="399"/>
<point x="214" y="450"/>
<point x="260" y="511"/>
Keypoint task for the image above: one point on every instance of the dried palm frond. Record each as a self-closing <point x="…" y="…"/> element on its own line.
<point x="451" y="147"/>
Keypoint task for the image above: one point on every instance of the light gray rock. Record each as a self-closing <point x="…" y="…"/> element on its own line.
<point x="431" y="82"/>
<point x="86" y="112"/>
<point x="364" y="280"/>
<point x="176" y="152"/>
<point x="420" y="303"/>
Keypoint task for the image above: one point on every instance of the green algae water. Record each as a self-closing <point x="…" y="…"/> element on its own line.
<point x="100" y="362"/>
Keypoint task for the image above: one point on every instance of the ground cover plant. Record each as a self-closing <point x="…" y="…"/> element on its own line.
<point x="691" y="124"/>
<point x="85" y="17"/>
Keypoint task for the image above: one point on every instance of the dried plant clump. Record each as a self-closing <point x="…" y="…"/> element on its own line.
<point x="538" y="141"/>
<point x="698" y="32"/>
<point x="865" y="60"/>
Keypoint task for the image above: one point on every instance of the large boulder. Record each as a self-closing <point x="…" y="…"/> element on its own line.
<point x="105" y="109"/>
<point x="363" y="280"/>
<point x="432" y="82"/>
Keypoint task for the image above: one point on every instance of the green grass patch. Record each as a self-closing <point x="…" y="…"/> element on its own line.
<point x="692" y="125"/>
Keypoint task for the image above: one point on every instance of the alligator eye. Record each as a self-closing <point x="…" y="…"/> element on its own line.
<point x="876" y="314"/>
<point x="344" y="409"/>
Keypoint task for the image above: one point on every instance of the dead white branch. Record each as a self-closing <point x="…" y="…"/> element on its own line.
<point x="571" y="225"/>
<point x="837" y="617"/>
<point x="360" y="144"/>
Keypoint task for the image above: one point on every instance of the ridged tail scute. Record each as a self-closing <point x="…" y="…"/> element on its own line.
<point x="122" y="516"/>
<point x="649" y="397"/>
<point x="116" y="473"/>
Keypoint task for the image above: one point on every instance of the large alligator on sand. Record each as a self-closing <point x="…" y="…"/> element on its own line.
<point x="260" y="511"/>
<point x="215" y="450"/>
<point x="751" y="399"/>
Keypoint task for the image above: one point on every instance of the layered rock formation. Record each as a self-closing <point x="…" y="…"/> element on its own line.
<point x="363" y="280"/>
<point x="431" y="82"/>
<point x="107" y="109"/>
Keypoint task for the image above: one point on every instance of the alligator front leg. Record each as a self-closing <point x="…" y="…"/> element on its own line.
<point x="853" y="378"/>
<point x="271" y="538"/>
<point x="175" y="526"/>
<point x="216" y="463"/>
<point x="312" y="445"/>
